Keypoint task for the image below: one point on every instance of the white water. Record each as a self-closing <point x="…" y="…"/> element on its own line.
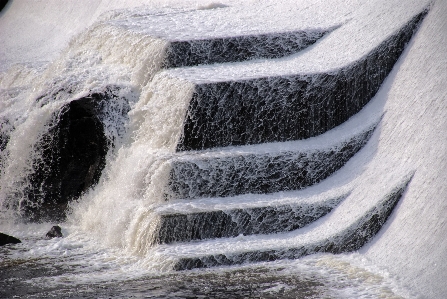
<point x="109" y="225"/>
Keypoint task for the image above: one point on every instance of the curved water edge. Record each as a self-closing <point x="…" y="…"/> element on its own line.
<point x="289" y="106"/>
<point x="59" y="272"/>
<point x="348" y="239"/>
<point x="144" y="187"/>
<point x="144" y="174"/>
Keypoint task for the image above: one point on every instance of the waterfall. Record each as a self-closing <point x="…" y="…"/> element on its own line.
<point x="103" y="60"/>
<point x="166" y="139"/>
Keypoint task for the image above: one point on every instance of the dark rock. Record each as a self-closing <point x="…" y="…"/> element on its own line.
<point x="4" y="133"/>
<point x="3" y="4"/>
<point x="73" y="154"/>
<point x="5" y="130"/>
<point x="350" y="239"/>
<point x="275" y="109"/>
<point x="230" y="175"/>
<point x="6" y="239"/>
<point x="239" y="48"/>
<point x="183" y="227"/>
<point x="54" y="232"/>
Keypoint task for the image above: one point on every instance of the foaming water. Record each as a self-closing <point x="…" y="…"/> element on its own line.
<point x="33" y="97"/>
<point x="158" y="117"/>
<point x="109" y="232"/>
<point x="116" y="213"/>
<point x="79" y="266"/>
<point x="130" y="189"/>
<point x="118" y="210"/>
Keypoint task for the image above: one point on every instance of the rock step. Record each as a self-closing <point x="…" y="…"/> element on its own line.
<point x="73" y="151"/>
<point x="267" y="168"/>
<point x="276" y="215"/>
<point x="224" y="112"/>
<point x="239" y="48"/>
<point x="345" y="239"/>
<point x="235" y="35"/>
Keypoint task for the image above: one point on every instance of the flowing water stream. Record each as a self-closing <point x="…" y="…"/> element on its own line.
<point x="107" y="250"/>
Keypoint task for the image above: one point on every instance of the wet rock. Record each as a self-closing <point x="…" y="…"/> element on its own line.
<point x="186" y="226"/>
<point x="349" y="239"/>
<point x="7" y="239"/>
<point x="228" y="174"/>
<point x="3" y="4"/>
<point x="54" y="232"/>
<point x="73" y="154"/>
<point x="5" y="130"/>
<point x="285" y="108"/>
<point x="239" y="48"/>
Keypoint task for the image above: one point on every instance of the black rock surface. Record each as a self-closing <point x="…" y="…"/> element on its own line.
<point x="350" y="239"/>
<point x="258" y="173"/>
<point x="54" y="232"/>
<point x="239" y="48"/>
<point x="183" y="227"/>
<point x="73" y="154"/>
<point x="284" y="108"/>
<point x="7" y="239"/>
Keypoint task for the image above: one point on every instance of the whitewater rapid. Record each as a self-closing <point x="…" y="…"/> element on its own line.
<point x="111" y="224"/>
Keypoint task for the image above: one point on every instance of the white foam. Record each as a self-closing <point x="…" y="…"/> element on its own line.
<point x="367" y="27"/>
<point x="410" y="250"/>
<point x="240" y="20"/>
<point x="347" y="213"/>
<point x="312" y="195"/>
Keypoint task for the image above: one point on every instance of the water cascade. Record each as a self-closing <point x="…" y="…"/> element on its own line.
<point x="188" y="144"/>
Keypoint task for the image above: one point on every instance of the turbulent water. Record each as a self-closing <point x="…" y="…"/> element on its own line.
<point x="108" y="250"/>
<point x="77" y="267"/>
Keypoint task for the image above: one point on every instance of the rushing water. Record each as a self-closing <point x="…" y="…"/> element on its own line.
<point x="76" y="267"/>
<point x="107" y="249"/>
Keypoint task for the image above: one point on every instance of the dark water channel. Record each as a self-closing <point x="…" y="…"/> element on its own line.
<point x="77" y="268"/>
<point x="255" y="282"/>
